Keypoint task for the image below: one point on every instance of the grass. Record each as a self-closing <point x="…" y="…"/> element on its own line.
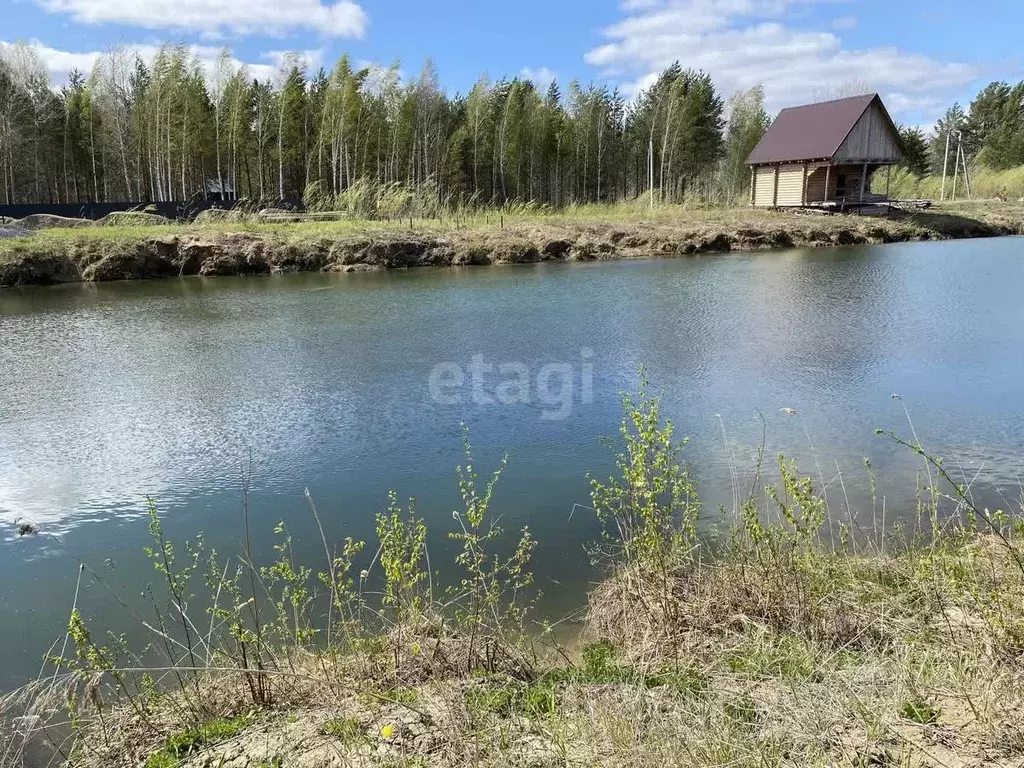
<point x="347" y="729"/>
<point x="182" y="744"/>
<point x="516" y="235"/>
<point x="985" y="185"/>
<point x="794" y="640"/>
<point x="625" y="214"/>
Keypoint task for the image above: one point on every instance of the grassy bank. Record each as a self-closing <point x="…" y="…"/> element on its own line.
<point x="796" y="635"/>
<point x="521" y="235"/>
<point x="985" y="184"/>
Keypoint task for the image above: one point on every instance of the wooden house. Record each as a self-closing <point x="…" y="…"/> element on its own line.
<point x="824" y="154"/>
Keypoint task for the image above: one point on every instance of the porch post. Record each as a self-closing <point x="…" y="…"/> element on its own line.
<point x="828" y="179"/>
<point x="753" y="185"/>
<point x="775" y="190"/>
<point x="888" y="181"/>
<point x="863" y="181"/>
<point x="803" y="191"/>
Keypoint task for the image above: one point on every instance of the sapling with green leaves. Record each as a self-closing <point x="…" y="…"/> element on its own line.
<point x="177" y="578"/>
<point x="293" y="598"/>
<point x="346" y="598"/>
<point x="491" y="587"/>
<point x="650" y="510"/>
<point x="403" y="544"/>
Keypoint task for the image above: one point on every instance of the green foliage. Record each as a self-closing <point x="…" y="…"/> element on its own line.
<point x="600" y="666"/>
<point x="747" y="124"/>
<point x="375" y="144"/>
<point x="985" y="184"/>
<point x="346" y="600"/>
<point x="347" y="729"/>
<point x="994" y="128"/>
<point x="508" y="698"/>
<point x="783" y="656"/>
<point x="293" y="598"/>
<point x="651" y="510"/>
<point x="180" y="745"/>
<point x="920" y="711"/>
<point x="917" y="157"/>
<point x="402" y="537"/>
<point x="355" y="140"/>
<point x="489" y="592"/>
<point x="731" y="640"/>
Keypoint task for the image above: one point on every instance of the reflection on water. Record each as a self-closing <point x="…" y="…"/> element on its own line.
<point x="113" y="393"/>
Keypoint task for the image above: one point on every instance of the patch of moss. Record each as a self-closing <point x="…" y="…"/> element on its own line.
<point x="189" y="741"/>
<point x="346" y="729"/>
<point x="918" y="710"/>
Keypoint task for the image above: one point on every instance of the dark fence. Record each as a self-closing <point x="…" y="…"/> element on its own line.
<point x="172" y="210"/>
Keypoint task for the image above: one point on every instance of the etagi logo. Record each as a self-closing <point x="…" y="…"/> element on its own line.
<point x="556" y="387"/>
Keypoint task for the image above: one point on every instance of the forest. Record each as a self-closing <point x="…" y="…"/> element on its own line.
<point x="171" y="130"/>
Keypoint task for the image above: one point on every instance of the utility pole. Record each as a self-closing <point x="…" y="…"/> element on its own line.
<point x="945" y="165"/>
<point x="963" y="159"/>
<point x="956" y="163"/>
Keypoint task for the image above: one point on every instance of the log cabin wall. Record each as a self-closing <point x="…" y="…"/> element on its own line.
<point x="871" y="140"/>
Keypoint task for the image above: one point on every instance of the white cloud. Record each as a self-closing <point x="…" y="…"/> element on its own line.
<point x="541" y="77"/>
<point x="742" y="43"/>
<point x="59" y="63"/>
<point x="343" y="18"/>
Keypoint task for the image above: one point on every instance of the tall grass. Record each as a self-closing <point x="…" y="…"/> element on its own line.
<point x="790" y="634"/>
<point x="985" y="184"/>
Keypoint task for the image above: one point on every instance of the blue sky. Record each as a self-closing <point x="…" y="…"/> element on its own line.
<point x="920" y="56"/>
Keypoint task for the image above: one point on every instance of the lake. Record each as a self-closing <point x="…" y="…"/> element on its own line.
<point x="352" y="385"/>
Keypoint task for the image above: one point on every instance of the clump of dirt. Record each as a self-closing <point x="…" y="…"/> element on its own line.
<point x="49" y="221"/>
<point x="35" y="269"/>
<point x="132" y="219"/>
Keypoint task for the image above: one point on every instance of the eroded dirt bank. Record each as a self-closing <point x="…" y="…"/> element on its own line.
<point x="91" y="255"/>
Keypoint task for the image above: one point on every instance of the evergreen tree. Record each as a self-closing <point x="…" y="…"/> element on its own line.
<point x="372" y="139"/>
<point x="917" y="156"/>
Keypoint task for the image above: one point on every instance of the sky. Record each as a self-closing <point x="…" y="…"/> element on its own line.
<point x="920" y="56"/>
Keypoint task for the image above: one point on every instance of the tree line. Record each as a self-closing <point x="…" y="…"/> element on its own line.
<point x="167" y="129"/>
<point x="990" y="131"/>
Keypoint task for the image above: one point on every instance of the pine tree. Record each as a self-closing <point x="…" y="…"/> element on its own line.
<point x="917" y="157"/>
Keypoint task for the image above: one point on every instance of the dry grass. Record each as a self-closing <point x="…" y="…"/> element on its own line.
<point x="768" y="647"/>
<point x="901" y="659"/>
<point x="252" y="246"/>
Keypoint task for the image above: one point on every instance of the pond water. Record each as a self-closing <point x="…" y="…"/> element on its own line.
<point x="351" y="385"/>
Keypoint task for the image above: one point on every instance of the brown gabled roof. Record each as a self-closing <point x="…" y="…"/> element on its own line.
<point x="813" y="131"/>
